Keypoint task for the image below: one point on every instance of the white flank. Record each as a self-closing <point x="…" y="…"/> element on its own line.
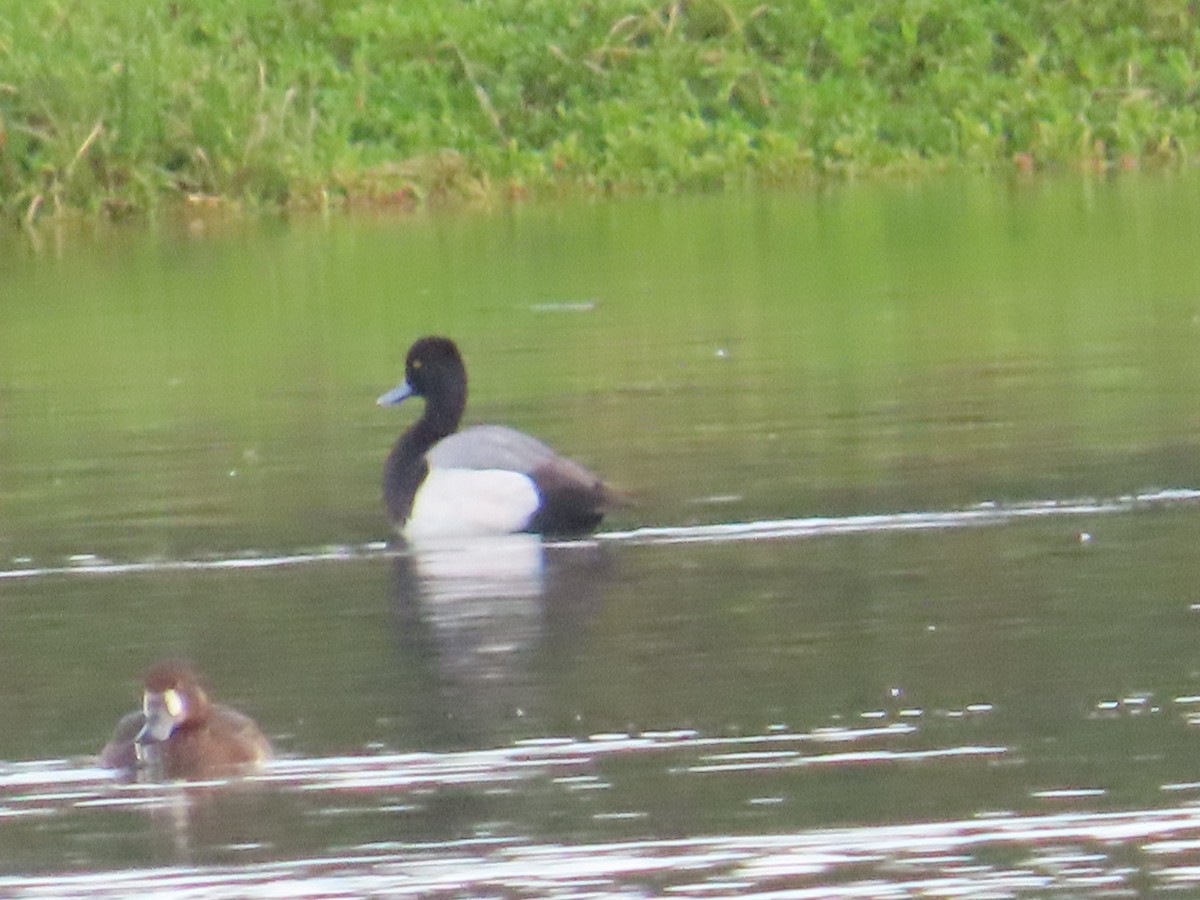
<point x="468" y="502"/>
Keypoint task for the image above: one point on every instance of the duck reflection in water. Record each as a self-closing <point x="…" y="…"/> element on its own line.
<point x="487" y="624"/>
<point x="478" y="596"/>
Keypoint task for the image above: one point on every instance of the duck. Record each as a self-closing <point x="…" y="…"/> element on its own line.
<point x="485" y="480"/>
<point x="179" y="734"/>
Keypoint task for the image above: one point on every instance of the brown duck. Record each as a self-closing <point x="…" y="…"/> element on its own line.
<point x="180" y="733"/>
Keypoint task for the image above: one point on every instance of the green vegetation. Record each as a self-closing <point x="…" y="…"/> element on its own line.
<point x="115" y="107"/>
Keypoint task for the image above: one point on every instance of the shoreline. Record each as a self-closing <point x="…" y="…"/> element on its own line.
<point x="128" y="112"/>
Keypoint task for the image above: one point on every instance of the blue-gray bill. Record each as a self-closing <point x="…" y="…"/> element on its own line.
<point x="398" y="394"/>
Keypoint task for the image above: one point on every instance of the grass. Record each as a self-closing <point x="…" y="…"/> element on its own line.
<point x="118" y="108"/>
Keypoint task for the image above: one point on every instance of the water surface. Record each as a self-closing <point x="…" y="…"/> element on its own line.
<point x="904" y="605"/>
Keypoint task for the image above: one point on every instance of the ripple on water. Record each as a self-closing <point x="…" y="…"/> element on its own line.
<point x="936" y="858"/>
<point x="981" y="515"/>
<point x="995" y="854"/>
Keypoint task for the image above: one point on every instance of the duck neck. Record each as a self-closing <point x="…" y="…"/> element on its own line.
<point x="443" y="412"/>
<point x="406" y="467"/>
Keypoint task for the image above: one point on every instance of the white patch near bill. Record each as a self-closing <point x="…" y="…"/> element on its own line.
<point x="468" y="502"/>
<point x="174" y="703"/>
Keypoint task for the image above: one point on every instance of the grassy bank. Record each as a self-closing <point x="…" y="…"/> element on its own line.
<point x="120" y="107"/>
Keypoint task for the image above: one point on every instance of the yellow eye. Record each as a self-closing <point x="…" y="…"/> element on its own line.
<point x="173" y="702"/>
<point x="416" y="364"/>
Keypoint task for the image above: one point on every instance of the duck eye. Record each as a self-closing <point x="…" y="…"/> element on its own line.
<point x="416" y="364"/>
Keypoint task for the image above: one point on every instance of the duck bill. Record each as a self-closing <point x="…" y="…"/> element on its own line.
<point x="398" y="394"/>
<point x="155" y="731"/>
<point x="159" y="722"/>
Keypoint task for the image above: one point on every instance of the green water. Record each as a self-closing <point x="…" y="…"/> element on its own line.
<point x="809" y="354"/>
<point x="206" y="392"/>
<point x="871" y="348"/>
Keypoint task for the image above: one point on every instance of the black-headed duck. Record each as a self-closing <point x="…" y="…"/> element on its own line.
<point x="180" y="733"/>
<point x="484" y="480"/>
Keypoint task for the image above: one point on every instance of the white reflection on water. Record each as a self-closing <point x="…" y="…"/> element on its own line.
<point x="1067" y="854"/>
<point x="481" y="569"/>
<point x="982" y="515"/>
<point x="993" y="854"/>
<point x="46" y="784"/>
